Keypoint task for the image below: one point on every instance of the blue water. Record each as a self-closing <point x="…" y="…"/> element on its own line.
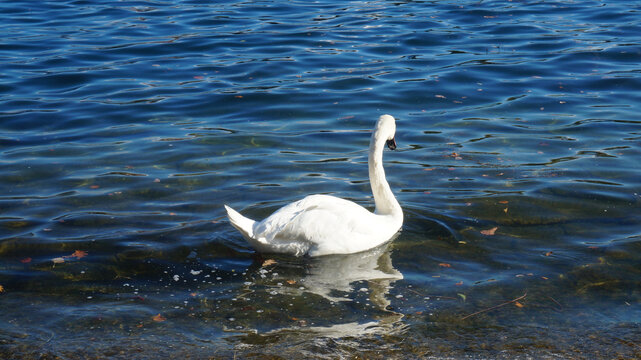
<point x="125" y="126"/>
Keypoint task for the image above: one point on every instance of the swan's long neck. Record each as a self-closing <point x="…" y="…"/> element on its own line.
<point x="386" y="203"/>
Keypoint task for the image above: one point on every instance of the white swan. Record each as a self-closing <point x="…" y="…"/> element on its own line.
<point x="323" y="224"/>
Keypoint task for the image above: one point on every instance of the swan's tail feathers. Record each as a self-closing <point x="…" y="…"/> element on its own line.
<point x="243" y="224"/>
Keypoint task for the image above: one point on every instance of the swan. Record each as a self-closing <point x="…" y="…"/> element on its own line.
<point x="323" y="224"/>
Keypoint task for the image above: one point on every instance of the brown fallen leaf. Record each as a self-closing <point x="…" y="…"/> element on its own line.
<point x="459" y="283"/>
<point x="291" y="282"/>
<point x="78" y="254"/>
<point x="159" y="318"/>
<point x="268" y="262"/>
<point x="489" y="232"/>
<point x="25" y="260"/>
<point x="549" y="253"/>
<point x="505" y="210"/>
<point x="518" y="304"/>
<point x="58" y="260"/>
<point x="503" y="202"/>
<point x="445" y="265"/>
<point x="1" y="288"/>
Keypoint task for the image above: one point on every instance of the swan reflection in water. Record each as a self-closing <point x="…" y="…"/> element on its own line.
<point x="339" y="279"/>
<point x="329" y="274"/>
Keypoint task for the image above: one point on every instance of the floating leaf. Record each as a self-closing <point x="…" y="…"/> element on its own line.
<point x="489" y="232"/>
<point x="291" y="282"/>
<point x="25" y="260"/>
<point x="269" y="262"/>
<point x="518" y="304"/>
<point x="58" y="260"/>
<point x="459" y="283"/>
<point x="159" y="318"/>
<point x="549" y="253"/>
<point x="1" y="289"/>
<point x="462" y="296"/>
<point x="445" y="265"/>
<point x="79" y="254"/>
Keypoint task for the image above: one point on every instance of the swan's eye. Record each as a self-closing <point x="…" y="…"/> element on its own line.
<point x="391" y="144"/>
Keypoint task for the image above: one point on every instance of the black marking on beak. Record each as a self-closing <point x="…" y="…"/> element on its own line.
<point x="391" y="144"/>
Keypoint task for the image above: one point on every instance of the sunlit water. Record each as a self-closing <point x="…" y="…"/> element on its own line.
<point x="125" y="126"/>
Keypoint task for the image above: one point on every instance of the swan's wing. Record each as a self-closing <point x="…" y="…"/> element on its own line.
<point x="317" y="221"/>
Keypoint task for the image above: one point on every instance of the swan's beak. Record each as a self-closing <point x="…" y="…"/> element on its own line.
<point x="391" y="144"/>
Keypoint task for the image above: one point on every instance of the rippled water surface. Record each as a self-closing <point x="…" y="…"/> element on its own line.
<point x="125" y="126"/>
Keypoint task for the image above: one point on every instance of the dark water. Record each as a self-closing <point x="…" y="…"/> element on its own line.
<point x="125" y="126"/>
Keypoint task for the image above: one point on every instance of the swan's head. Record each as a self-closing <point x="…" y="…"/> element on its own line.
<point x="386" y="128"/>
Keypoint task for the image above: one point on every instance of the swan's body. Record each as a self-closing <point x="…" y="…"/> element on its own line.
<point x="323" y="224"/>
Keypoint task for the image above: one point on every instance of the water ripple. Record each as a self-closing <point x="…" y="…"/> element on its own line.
<point x="125" y="126"/>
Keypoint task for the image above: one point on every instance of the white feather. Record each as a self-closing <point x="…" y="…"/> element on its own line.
<point x="322" y="224"/>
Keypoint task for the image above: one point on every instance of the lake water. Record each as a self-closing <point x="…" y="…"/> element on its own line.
<point x="125" y="126"/>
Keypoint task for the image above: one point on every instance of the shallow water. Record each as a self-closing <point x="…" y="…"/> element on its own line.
<point x="125" y="126"/>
